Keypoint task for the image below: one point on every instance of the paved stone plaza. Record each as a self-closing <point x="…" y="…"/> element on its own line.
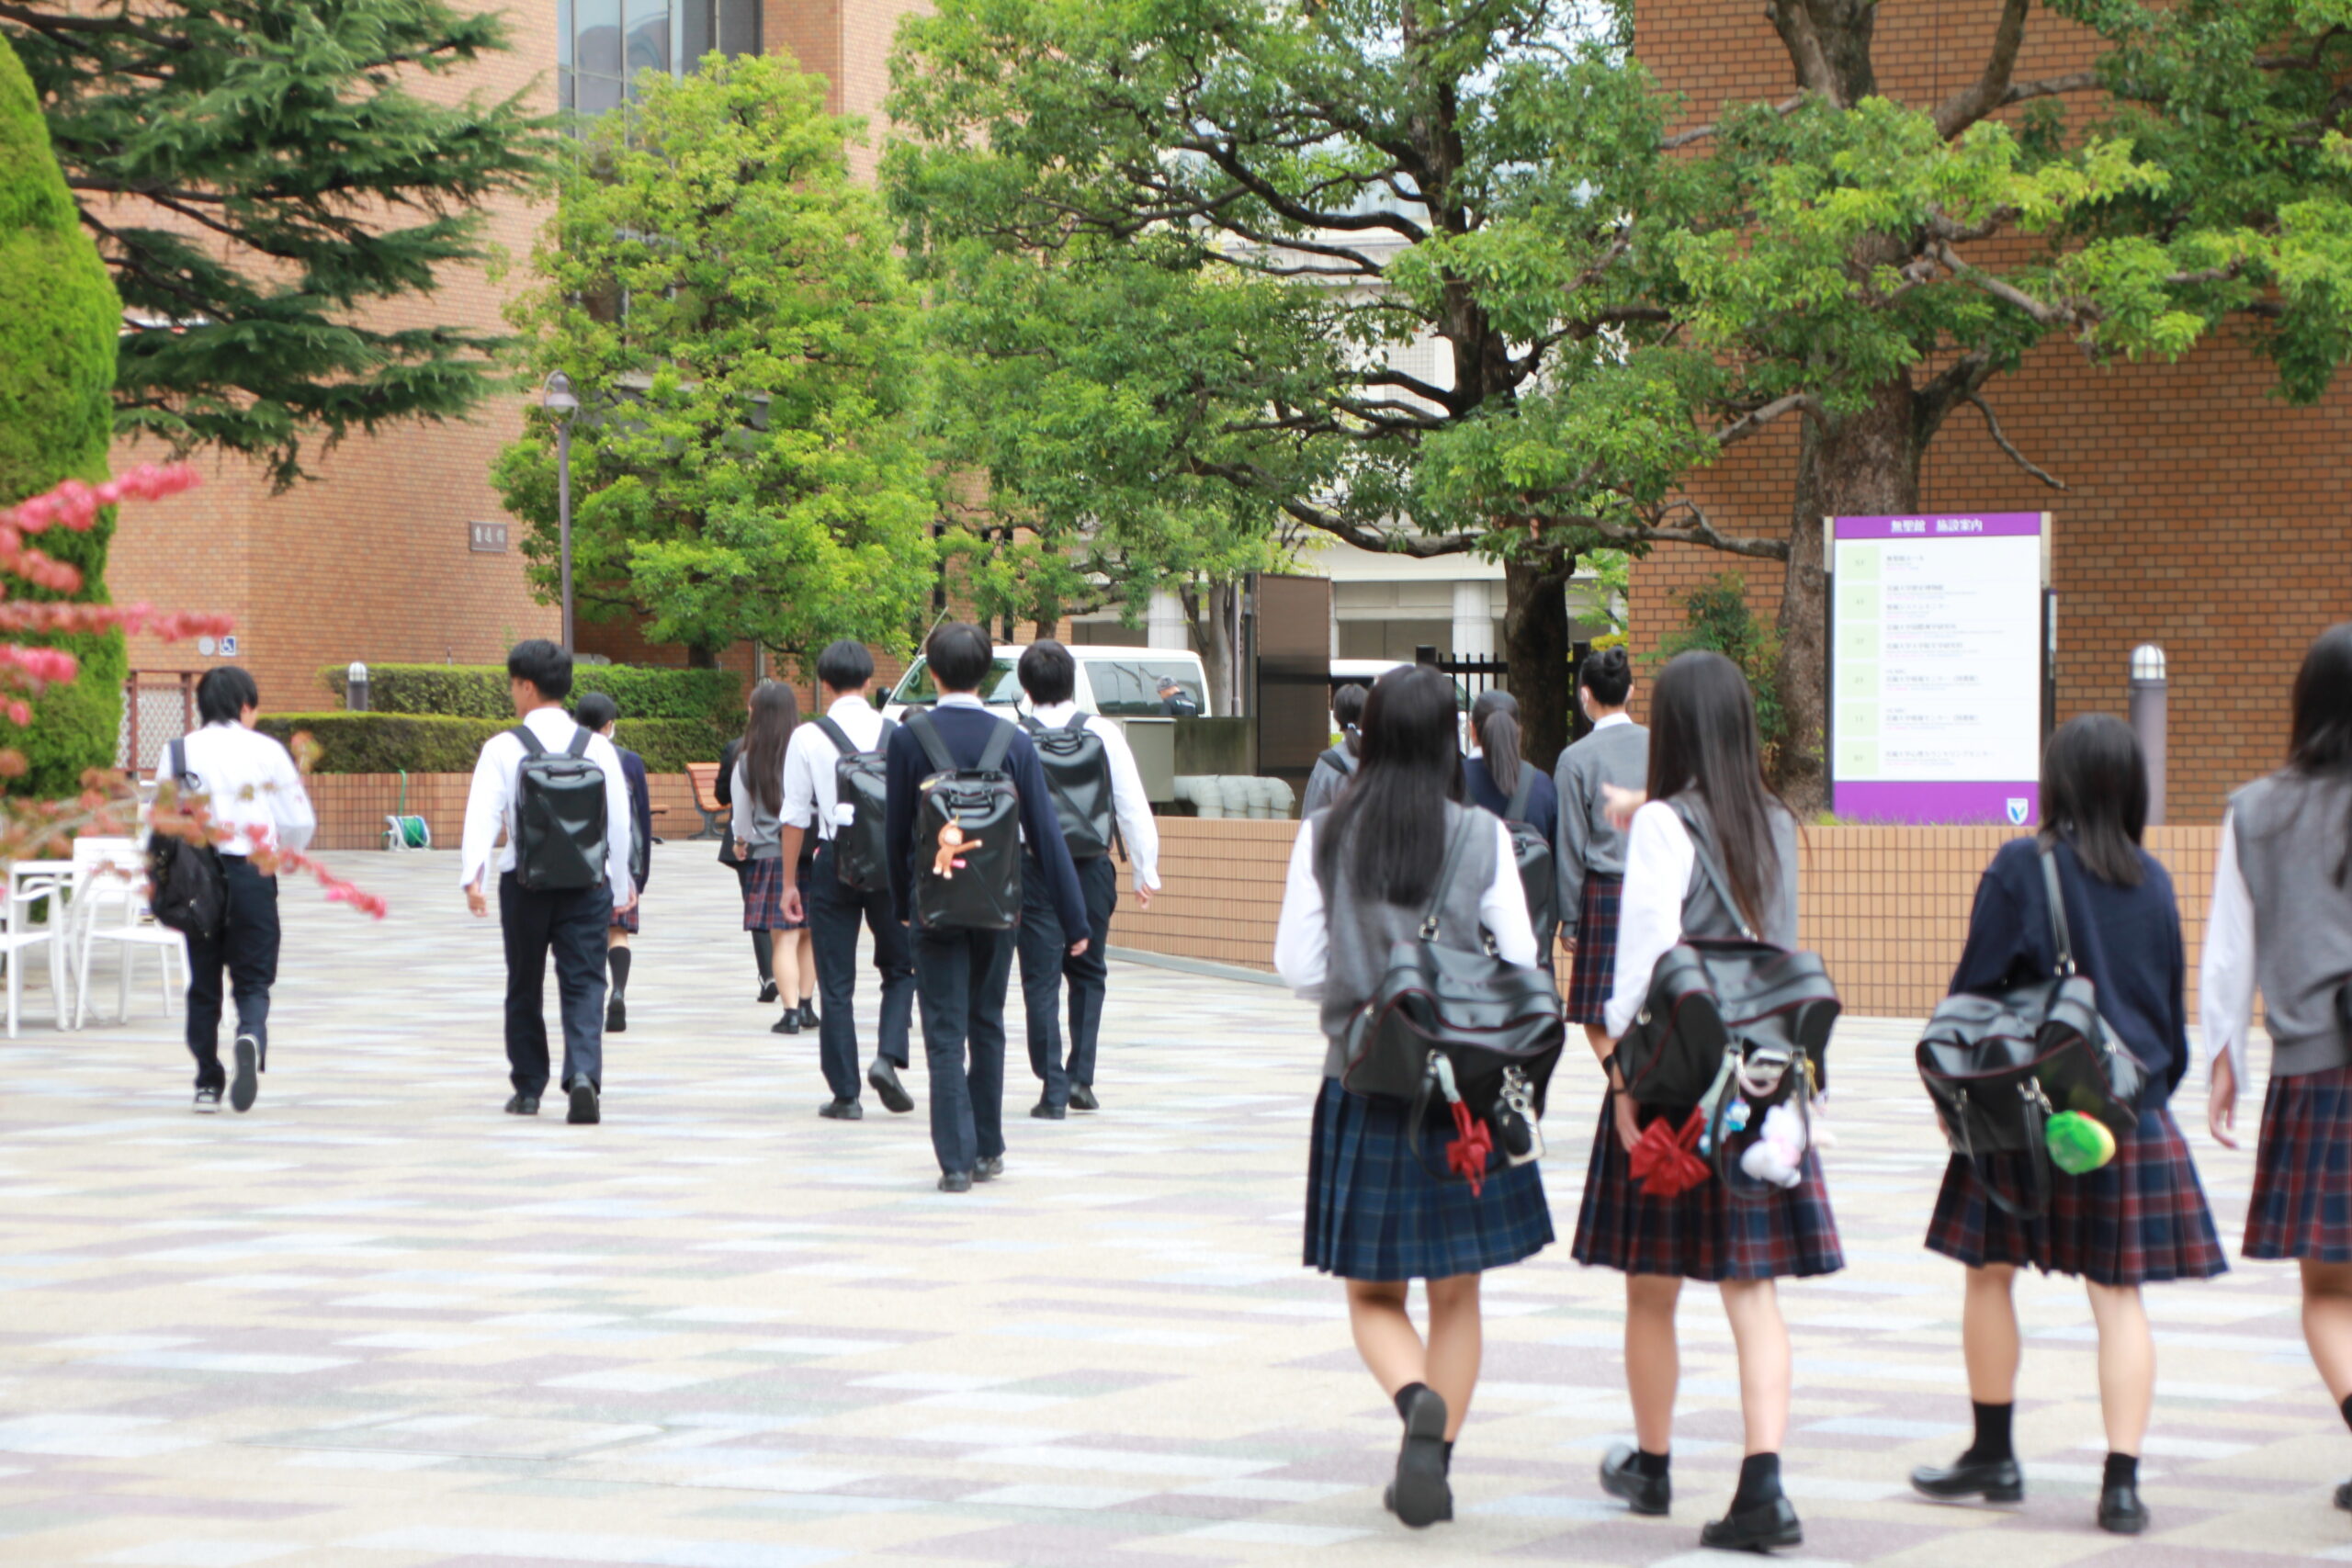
<point x="378" y="1324"/>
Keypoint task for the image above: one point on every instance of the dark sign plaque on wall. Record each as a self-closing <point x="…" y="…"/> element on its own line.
<point x="486" y="538"/>
<point x="1290" y="622"/>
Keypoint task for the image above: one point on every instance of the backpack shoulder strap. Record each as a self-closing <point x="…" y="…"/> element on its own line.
<point x="1076" y="723"/>
<point x="838" y="736"/>
<point x="934" y="745"/>
<point x="175" y="759"/>
<point x="1029" y="722"/>
<point x="992" y="759"/>
<point x="2057" y="892"/>
<point x="1516" y="811"/>
<point x="1458" y="833"/>
<point x="579" y="746"/>
<point x="1704" y="853"/>
<point x="532" y="745"/>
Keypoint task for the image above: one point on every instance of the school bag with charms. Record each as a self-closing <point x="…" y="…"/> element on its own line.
<point x="2032" y="1071"/>
<point x="1532" y="851"/>
<point x="187" y="890"/>
<point x="1735" y="1030"/>
<point x="1464" y="1026"/>
<point x="1078" y="775"/>
<point x="862" y="805"/>
<point x="967" y="835"/>
<point x="559" y="816"/>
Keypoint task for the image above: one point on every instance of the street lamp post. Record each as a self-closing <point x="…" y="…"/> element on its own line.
<point x="561" y="402"/>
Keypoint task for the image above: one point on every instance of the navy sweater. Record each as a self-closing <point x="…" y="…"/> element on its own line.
<point x="2126" y="938"/>
<point x="967" y="732"/>
<point x="1542" y="800"/>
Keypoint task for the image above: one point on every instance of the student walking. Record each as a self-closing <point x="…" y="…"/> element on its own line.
<point x="815" y="813"/>
<point x="601" y="713"/>
<point x="2142" y="1215"/>
<point x="1337" y="765"/>
<point x="757" y="829"/>
<point x="562" y="871"/>
<point x="762" y="950"/>
<point x="1095" y="782"/>
<point x="255" y="794"/>
<point x="1591" y="850"/>
<point x="1492" y="774"/>
<point x="1363" y="877"/>
<point x="961" y="968"/>
<point x="2282" y="920"/>
<point x="1707" y="797"/>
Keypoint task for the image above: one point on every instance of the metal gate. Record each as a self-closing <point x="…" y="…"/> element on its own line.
<point x="158" y="707"/>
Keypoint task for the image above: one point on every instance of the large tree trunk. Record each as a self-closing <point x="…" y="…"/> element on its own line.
<point x="1535" y="642"/>
<point x="1857" y="465"/>
<point x="1214" y="610"/>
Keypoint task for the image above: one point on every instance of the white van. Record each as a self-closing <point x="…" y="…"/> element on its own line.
<point x="1121" y="683"/>
<point x="1364" y="672"/>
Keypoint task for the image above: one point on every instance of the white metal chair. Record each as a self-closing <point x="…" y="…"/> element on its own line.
<point x="20" y="936"/>
<point x="108" y="907"/>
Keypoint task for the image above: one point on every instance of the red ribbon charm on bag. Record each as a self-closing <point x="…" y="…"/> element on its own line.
<point x="1662" y="1159"/>
<point x="1474" y="1143"/>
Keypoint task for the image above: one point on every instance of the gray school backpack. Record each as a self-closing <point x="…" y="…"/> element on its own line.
<point x="559" y="816"/>
<point x="861" y="783"/>
<point x="1078" y="775"/>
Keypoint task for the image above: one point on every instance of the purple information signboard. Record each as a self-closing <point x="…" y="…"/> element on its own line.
<point x="1936" y="650"/>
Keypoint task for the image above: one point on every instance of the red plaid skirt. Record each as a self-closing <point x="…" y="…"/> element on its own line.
<point x="1704" y="1233"/>
<point x="764" y="897"/>
<point x="1593" y="972"/>
<point x="626" y="920"/>
<point x="2301" y="1205"/>
<point x="2140" y="1217"/>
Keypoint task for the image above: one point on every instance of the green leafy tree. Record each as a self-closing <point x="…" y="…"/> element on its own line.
<point x="745" y="348"/>
<point x="1716" y="618"/>
<point x="276" y="199"/>
<point x="57" y="348"/>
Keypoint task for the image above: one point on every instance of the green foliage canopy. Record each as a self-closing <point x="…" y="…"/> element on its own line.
<point x="481" y="691"/>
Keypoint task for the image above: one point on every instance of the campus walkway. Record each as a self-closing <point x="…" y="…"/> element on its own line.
<point x="378" y="1324"/>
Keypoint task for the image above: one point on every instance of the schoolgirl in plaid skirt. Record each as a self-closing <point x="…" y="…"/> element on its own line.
<point x="1709" y="824"/>
<point x="2281" y="923"/>
<point x="1364" y="875"/>
<point x="757" y="827"/>
<point x="2141" y="1217"/>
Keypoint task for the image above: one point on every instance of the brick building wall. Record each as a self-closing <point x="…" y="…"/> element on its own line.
<point x="2201" y="514"/>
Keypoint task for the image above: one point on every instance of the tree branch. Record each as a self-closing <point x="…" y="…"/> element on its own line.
<point x="1681" y="138"/>
<point x="1814" y="74"/>
<point x="1755" y="420"/>
<point x="1991" y="88"/>
<point x="2001" y="439"/>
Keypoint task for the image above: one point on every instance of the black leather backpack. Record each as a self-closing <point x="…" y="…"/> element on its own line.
<point x="1078" y="775"/>
<point x="187" y="890"/>
<point x="968" y="836"/>
<point x="1533" y="851"/>
<point x="1998" y="1067"/>
<point x="861" y="783"/>
<point x="559" y="816"/>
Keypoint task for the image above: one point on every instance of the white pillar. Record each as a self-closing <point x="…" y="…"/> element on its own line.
<point x="1164" y="623"/>
<point x="1474" y="623"/>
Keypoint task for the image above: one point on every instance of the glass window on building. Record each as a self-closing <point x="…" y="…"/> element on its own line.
<point x="602" y="45"/>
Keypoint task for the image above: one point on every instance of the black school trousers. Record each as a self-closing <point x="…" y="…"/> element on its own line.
<point x="245" y="948"/>
<point x="834" y="914"/>
<point x="571" y="925"/>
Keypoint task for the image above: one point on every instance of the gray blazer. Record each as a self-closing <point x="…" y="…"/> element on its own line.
<point x="1590" y="844"/>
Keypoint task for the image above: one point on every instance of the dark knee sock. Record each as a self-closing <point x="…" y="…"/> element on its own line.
<point x="764" y="956"/>
<point x="617" y="960"/>
<point x="2347" y="1408"/>
<point x="1449" y="1456"/>
<point x="1404" y="1397"/>
<point x="1650" y="1466"/>
<point x="1993" y="1439"/>
<point x="1760" y="1481"/>
<point x="2122" y="1470"/>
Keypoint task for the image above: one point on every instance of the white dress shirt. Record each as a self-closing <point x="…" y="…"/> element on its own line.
<point x="2225" y="977"/>
<point x="252" y="787"/>
<point x="810" y="798"/>
<point x="490" y="805"/>
<point x="1303" y="936"/>
<point x="1128" y="801"/>
<point x="1658" y="862"/>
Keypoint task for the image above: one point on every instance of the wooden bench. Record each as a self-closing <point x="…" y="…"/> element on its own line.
<point x="703" y="777"/>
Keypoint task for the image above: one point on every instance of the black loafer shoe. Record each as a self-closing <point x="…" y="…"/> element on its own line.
<point x="1760" y="1529"/>
<point x="522" y="1105"/>
<point x="808" y="1019"/>
<point x="885" y="1079"/>
<point x="788" y="1024"/>
<point x="955" y="1182"/>
<point x="990" y="1169"/>
<point x="1994" y="1480"/>
<point x="586" y="1111"/>
<point x="1419" y="1496"/>
<point x="1620" y="1477"/>
<point x="2344" y="1496"/>
<point x="616" y="1017"/>
<point x="767" y="990"/>
<point x="1045" y="1112"/>
<point x="2120" y="1512"/>
<point x="243" y="1087"/>
<point x="1081" y="1098"/>
<point x="841" y="1111"/>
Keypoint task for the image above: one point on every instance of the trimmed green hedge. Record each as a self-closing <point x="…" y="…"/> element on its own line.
<point x="439" y="743"/>
<point x="481" y="691"/>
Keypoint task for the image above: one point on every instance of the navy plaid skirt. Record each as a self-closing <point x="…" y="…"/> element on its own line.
<point x="1704" y="1233"/>
<point x="1375" y="1213"/>
<point x="764" y="897"/>
<point x="1593" y="972"/>
<point x="2140" y="1217"/>
<point x="627" y="920"/>
<point x="2301" y="1205"/>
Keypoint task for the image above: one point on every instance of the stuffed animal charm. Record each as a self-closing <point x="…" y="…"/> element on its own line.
<point x="951" y="839"/>
<point x="2078" y="1144"/>
<point x="1777" y="1154"/>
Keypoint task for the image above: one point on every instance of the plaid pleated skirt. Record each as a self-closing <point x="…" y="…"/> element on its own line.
<point x="2301" y="1205"/>
<point x="1375" y="1213"/>
<point x="1704" y="1233"/>
<point x="627" y="920"/>
<point x="1593" y="972"/>
<point x="764" y="897"/>
<point x="2141" y="1217"/>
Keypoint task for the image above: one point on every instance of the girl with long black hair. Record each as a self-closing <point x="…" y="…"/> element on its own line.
<point x="2282" y="920"/>
<point x="2141" y="1216"/>
<point x="758" y="830"/>
<point x="1707" y="797"/>
<point x="1361" y="879"/>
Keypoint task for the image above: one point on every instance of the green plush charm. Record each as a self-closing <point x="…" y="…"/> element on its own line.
<point x="2079" y="1144"/>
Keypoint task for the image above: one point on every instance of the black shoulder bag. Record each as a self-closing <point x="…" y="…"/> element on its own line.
<point x="187" y="890"/>
<point x="2000" y="1067"/>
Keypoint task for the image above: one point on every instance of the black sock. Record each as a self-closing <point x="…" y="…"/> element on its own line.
<point x="1760" y="1481"/>
<point x="2347" y="1408"/>
<point x="1449" y="1456"/>
<point x="1404" y="1397"/>
<point x="1650" y="1466"/>
<point x="2122" y="1470"/>
<point x="616" y="960"/>
<point x="764" y="956"/>
<point x="1992" y="1441"/>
